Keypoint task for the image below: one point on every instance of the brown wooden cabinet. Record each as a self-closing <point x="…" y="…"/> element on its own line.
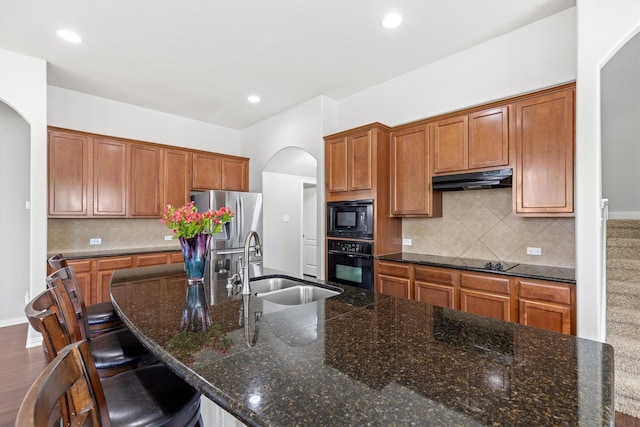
<point x="146" y="180"/>
<point x="411" y="193"/>
<point x="70" y="174"/>
<point x="436" y="286"/>
<point x="177" y="177"/>
<point x="542" y="304"/>
<point x="489" y="138"/>
<point x="207" y="171"/>
<point x="98" y="176"/>
<point x="349" y="165"/>
<point x="218" y="172"/>
<point x="356" y="163"/>
<point x="94" y="274"/>
<point x="545" y="141"/>
<point x="488" y="295"/>
<point x="235" y="174"/>
<point x="476" y="140"/>
<point x="547" y="305"/>
<point x="110" y="165"/>
<point x="395" y="278"/>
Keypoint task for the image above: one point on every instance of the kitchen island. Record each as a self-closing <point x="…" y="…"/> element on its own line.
<point x="360" y="358"/>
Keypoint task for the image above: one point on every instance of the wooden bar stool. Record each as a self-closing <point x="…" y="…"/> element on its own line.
<point x="113" y="352"/>
<point x="100" y="317"/>
<point x="148" y="396"/>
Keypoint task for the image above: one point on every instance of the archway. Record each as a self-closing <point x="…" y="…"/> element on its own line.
<point x="287" y="177"/>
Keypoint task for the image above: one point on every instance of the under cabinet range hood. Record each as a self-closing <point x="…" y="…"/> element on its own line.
<point x="499" y="178"/>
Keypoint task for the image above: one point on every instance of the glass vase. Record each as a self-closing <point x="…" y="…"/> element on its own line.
<point x="195" y="313"/>
<point x="195" y="251"/>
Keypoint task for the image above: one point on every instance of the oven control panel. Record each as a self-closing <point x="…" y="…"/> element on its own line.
<point x="363" y="248"/>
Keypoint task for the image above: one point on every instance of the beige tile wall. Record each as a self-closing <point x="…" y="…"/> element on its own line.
<point x="481" y="224"/>
<point x="72" y="235"/>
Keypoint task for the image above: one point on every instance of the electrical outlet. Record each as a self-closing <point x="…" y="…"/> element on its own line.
<point x="26" y="298"/>
<point x="285" y="218"/>
<point x="95" y="241"/>
<point x="534" y="251"/>
<point x="169" y="237"/>
<point x="406" y="242"/>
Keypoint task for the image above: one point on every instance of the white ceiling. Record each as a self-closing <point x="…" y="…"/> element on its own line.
<point x="202" y="58"/>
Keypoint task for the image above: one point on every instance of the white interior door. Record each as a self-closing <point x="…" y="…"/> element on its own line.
<point x="309" y="233"/>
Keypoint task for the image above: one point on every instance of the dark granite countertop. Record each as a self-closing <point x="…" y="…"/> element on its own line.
<point x="361" y="358"/>
<point x="557" y="274"/>
<point x="70" y="255"/>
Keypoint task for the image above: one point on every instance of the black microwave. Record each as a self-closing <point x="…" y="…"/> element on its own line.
<point x="353" y="219"/>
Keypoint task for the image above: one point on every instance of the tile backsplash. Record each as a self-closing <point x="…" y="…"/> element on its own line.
<point x="73" y="235"/>
<point x="481" y="224"/>
<point x="475" y="224"/>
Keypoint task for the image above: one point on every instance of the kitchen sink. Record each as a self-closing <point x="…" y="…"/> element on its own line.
<point x="272" y="284"/>
<point x="298" y="294"/>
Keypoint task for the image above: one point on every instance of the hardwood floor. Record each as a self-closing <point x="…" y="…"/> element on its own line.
<point x="19" y="367"/>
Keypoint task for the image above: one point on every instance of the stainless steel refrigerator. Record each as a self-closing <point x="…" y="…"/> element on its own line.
<point x="228" y="246"/>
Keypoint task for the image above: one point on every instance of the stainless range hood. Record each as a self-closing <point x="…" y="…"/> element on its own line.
<point x="499" y="178"/>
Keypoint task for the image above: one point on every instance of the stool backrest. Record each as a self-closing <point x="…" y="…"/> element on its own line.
<point x="67" y="278"/>
<point x="43" y="313"/>
<point x="57" y="262"/>
<point x="71" y="377"/>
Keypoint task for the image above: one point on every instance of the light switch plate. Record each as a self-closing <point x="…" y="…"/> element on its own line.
<point x="534" y="251"/>
<point x="406" y="242"/>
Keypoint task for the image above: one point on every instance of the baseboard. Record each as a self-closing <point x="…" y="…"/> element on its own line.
<point x="13" y="322"/>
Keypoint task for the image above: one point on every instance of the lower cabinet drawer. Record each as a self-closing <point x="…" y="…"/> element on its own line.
<point x="115" y="263"/>
<point x="395" y="269"/>
<point x="485" y="282"/>
<point x="151" y="259"/>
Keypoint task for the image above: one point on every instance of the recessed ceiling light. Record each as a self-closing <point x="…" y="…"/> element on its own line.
<point x="69" y="36"/>
<point x="391" y="20"/>
<point x="254" y="99"/>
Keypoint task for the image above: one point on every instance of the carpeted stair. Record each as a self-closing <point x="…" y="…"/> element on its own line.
<point x="623" y="311"/>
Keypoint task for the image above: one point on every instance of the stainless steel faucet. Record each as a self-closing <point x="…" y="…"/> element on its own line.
<point x="246" y="288"/>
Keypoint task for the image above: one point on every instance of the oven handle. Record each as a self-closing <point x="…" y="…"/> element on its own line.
<point x="349" y="254"/>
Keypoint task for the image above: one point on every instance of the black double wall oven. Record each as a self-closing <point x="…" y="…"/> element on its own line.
<point x="350" y="246"/>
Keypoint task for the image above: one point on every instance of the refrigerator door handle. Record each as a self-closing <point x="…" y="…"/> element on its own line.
<point x="240" y="219"/>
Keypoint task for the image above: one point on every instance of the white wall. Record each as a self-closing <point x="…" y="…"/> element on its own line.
<point x="23" y="87"/>
<point x="283" y="195"/>
<point x="604" y="26"/>
<point x="79" y="111"/>
<point x="14" y="217"/>
<point x="536" y="56"/>
<point x="301" y="126"/>
<point x="620" y="82"/>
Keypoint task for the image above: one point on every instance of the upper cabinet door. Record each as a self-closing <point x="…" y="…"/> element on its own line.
<point x="145" y="188"/>
<point x="235" y="174"/>
<point x="410" y="178"/>
<point x="207" y="172"/>
<point x="336" y="165"/>
<point x="545" y="140"/>
<point x="110" y="177"/>
<point x="359" y="161"/>
<point x="69" y="174"/>
<point x="451" y="145"/>
<point x="177" y="178"/>
<point x="489" y="138"/>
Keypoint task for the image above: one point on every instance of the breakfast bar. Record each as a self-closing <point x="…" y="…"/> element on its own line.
<point x="361" y="358"/>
